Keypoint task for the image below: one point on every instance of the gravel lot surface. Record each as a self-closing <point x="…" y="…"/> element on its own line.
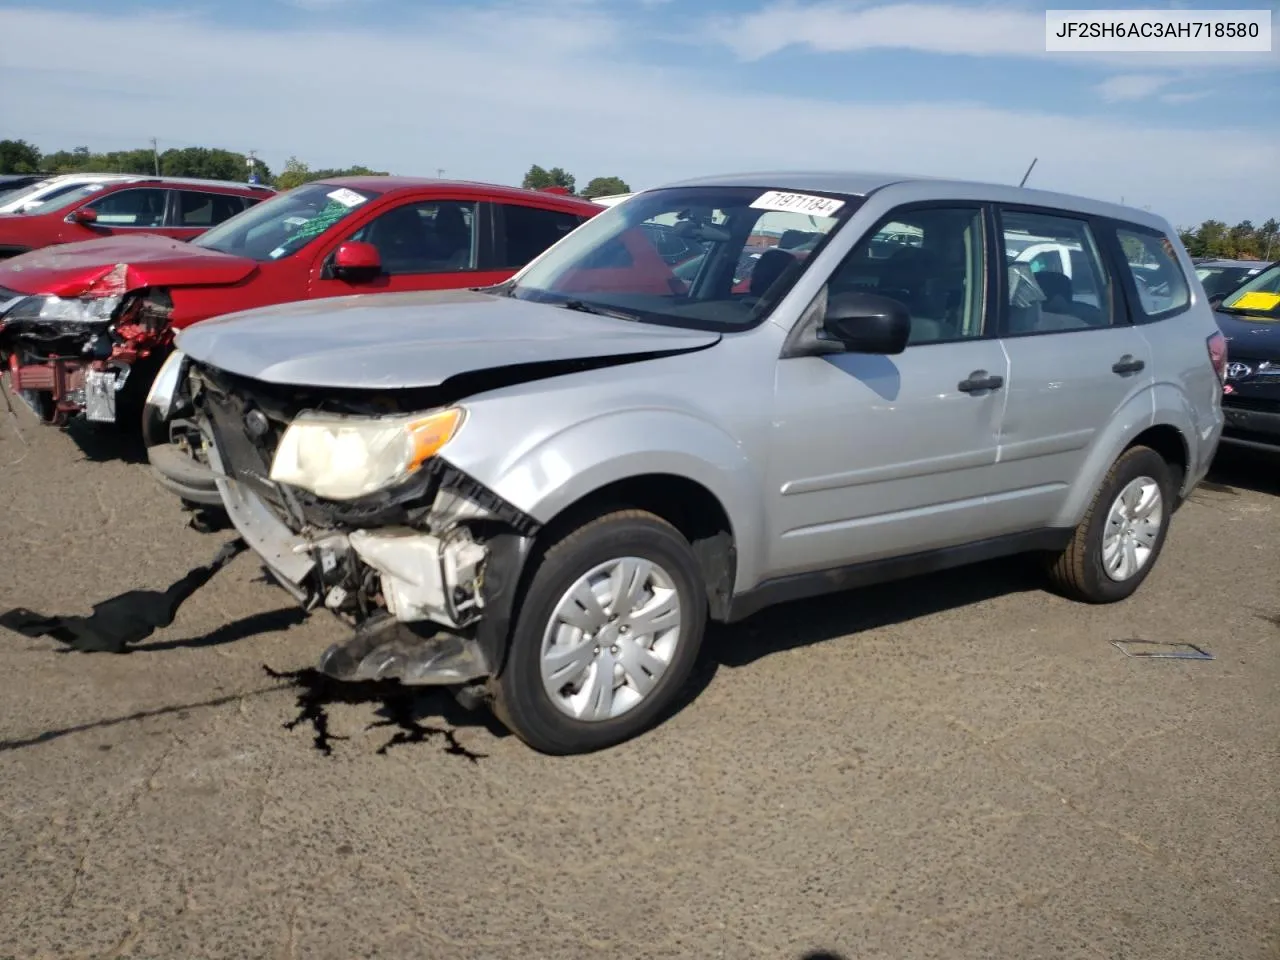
<point x="955" y="766"/>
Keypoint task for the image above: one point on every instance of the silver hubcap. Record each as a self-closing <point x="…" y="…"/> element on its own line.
<point x="1133" y="525"/>
<point x="611" y="637"/>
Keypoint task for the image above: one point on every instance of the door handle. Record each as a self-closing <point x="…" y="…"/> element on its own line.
<point x="1127" y="364"/>
<point x="980" y="380"/>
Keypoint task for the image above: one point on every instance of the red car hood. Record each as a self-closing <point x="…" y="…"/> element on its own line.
<point x="119" y="264"/>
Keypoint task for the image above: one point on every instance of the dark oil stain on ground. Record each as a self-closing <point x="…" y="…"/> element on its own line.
<point x="316" y="692"/>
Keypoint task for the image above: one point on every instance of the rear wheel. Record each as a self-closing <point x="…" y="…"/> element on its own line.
<point x="1122" y="534"/>
<point x="606" y="637"/>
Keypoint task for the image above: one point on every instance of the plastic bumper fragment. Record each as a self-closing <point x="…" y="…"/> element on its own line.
<point x="391" y="651"/>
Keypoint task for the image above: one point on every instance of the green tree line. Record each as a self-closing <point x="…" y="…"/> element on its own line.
<point x="1244" y="241"/>
<point x="539" y="178"/>
<point x="215" y="163"/>
<point x="211" y="163"/>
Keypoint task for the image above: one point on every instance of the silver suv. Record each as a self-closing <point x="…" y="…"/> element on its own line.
<point x="540" y="492"/>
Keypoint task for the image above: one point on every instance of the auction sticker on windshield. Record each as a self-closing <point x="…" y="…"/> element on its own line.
<point x="348" y="198"/>
<point x="1257" y="300"/>
<point x="797" y="203"/>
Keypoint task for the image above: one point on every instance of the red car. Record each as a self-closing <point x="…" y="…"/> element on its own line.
<point x="168" y="206"/>
<point x="79" y="321"/>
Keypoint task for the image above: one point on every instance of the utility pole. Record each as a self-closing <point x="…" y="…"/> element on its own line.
<point x="155" y="152"/>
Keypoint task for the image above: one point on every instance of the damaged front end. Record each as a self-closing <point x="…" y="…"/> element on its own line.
<point x="66" y="356"/>
<point x="424" y="569"/>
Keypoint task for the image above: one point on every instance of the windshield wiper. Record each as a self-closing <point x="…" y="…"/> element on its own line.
<point x="583" y="307"/>
<point x="506" y="288"/>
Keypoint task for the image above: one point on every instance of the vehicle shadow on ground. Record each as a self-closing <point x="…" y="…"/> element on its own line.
<point x="1236" y="468"/>
<point x="807" y="622"/>
<point x="104" y="442"/>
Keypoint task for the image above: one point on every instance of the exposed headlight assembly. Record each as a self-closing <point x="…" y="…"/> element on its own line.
<point x="342" y="458"/>
<point x="167" y="384"/>
<point x="51" y="309"/>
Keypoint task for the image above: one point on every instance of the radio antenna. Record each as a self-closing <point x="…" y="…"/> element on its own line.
<point x="1028" y="173"/>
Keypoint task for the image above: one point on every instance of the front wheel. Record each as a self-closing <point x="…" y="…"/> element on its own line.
<point x="1121" y="536"/>
<point x="606" y="637"/>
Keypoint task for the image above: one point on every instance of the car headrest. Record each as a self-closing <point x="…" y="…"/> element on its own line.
<point x="771" y="265"/>
<point x="1056" y="286"/>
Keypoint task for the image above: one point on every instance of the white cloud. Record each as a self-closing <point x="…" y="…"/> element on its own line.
<point x="485" y="95"/>
<point x="978" y="30"/>
<point x="1188" y="96"/>
<point x="1132" y="86"/>
<point x="936" y="28"/>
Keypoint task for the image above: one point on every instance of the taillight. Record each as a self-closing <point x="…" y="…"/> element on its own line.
<point x="1217" y="345"/>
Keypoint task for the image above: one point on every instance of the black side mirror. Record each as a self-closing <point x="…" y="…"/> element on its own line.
<point x="866" y="323"/>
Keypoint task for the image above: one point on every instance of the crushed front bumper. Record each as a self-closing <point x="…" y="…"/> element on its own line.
<point x="442" y="602"/>
<point x="59" y="388"/>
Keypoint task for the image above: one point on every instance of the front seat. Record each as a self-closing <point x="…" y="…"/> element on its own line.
<point x="401" y="240"/>
<point x="771" y="265"/>
<point x="452" y="238"/>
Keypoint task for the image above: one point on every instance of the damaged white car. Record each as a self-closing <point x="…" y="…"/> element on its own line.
<point x="539" y="492"/>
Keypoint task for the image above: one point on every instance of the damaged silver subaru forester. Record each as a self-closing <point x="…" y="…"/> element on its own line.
<point x="539" y="492"/>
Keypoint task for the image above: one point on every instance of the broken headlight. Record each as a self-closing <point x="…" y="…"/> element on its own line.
<point x="167" y="384"/>
<point x="342" y="458"/>
<point x="51" y="309"/>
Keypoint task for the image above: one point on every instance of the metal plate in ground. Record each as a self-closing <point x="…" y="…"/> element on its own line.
<point x="1156" y="650"/>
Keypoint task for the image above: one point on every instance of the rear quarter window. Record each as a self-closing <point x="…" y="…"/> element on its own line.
<point x="1162" y="288"/>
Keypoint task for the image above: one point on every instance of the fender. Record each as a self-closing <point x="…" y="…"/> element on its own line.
<point x="1131" y="419"/>
<point x="1199" y="436"/>
<point x="545" y="476"/>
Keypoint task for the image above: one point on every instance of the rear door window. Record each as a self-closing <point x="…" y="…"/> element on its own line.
<point x="527" y="231"/>
<point x="1057" y="283"/>
<point x="199" y="209"/>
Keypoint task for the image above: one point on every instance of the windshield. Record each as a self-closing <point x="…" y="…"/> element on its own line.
<point x="709" y="258"/>
<point x="14" y="198"/>
<point x="61" y="197"/>
<point x="63" y="194"/>
<point x="286" y="223"/>
<point x="1219" y="281"/>
<point x="1261" y="295"/>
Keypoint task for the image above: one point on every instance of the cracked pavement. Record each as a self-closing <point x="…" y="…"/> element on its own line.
<point x="955" y="766"/>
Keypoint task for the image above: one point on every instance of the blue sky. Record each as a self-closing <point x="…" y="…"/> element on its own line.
<point x="652" y="90"/>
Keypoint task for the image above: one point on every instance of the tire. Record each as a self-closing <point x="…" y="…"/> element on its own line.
<point x="1080" y="571"/>
<point x="521" y="699"/>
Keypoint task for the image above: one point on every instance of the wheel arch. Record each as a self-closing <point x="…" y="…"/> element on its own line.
<point x="1137" y="423"/>
<point x="689" y="506"/>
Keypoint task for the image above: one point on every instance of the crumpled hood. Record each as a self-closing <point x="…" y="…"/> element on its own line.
<point x="75" y="269"/>
<point x="415" y="340"/>
<point x="1255" y="337"/>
